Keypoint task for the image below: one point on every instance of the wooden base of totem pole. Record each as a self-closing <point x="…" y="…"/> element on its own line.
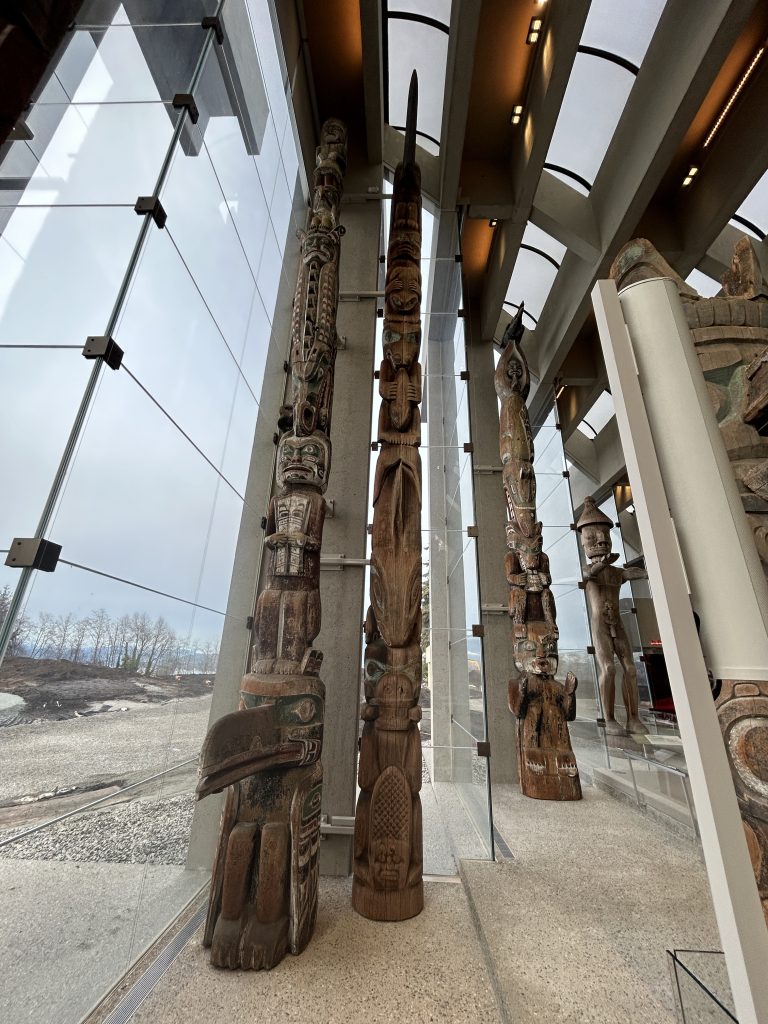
<point x="388" y="904"/>
<point x="742" y="708"/>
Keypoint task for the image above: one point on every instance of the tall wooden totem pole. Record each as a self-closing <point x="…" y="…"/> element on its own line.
<point x="542" y="705"/>
<point x="263" y="898"/>
<point x="388" y="842"/>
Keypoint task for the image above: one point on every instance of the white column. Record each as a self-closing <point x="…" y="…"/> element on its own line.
<point x="668" y="430"/>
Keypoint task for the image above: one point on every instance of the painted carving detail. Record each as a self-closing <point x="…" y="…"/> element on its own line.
<point x="541" y="704"/>
<point x="387" y="849"/>
<point x="263" y="899"/>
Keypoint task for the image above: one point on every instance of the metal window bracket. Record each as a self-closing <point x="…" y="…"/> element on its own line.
<point x="487" y="470"/>
<point x="101" y="346"/>
<point x="337" y="825"/>
<point x="33" y="553"/>
<point x="483" y="748"/>
<point x="152" y="206"/>
<point x="478" y="630"/>
<point x="185" y="100"/>
<point x="337" y="563"/>
<point x="330" y="508"/>
<point x="20" y="132"/>
<point x="494" y="609"/>
<point x="214" y="21"/>
<point x="468" y="447"/>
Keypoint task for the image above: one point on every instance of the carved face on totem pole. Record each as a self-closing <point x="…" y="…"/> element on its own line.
<point x="403" y="288"/>
<point x="303" y="460"/>
<point x="536" y="653"/>
<point x="297" y="716"/>
<point x="597" y="542"/>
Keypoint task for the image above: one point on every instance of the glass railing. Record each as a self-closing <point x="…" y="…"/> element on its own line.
<point x="701" y="987"/>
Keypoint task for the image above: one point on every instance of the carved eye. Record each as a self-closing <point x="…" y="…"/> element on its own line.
<point x="304" y="710"/>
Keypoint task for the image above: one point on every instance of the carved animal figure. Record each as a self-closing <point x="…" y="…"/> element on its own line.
<point x="387" y="883"/>
<point x="263" y="899"/>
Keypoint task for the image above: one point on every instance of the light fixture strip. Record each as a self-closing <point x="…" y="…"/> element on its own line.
<point x="734" y="95"/>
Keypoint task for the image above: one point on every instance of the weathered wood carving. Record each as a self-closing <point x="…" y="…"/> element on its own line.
<point x="603" y="581"/>
<point x="263" y="898"/>
<point x="742" y="708"/>
<point x="542" y="705"/>
<point x="388" y="841"/>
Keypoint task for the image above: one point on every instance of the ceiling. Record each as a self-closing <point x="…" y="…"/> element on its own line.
<point x="619" y="100"/>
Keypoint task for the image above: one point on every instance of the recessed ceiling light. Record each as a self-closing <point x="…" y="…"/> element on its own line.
<point x="533" y="30"/>
<point x="493" y="222"/>
<point x="733" y="96"/>
<point x="690" y="176"/>
<point x="517" y="113"/>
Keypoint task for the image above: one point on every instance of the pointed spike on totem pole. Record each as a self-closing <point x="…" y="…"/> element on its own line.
<point x="409" y="149"/>
<point x="515" y="328"/>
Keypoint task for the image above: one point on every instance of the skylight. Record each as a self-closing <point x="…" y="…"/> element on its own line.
<point x="617" y="33"/>
<point x="535" y="271"/>
<point x="754" y="210"/>
<point x="417" y="37"/>
<point x="598" y="416"/>
<point x="703" y="283"/>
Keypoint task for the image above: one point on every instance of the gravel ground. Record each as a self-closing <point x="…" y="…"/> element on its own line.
<point x="140" y="832"/>
<point x="46" y="756"/>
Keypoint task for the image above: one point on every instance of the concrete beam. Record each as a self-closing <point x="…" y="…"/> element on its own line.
<point x="373" y="78"/>
<point x="549" y="78"/>
<point x="465" y="18"/>
<point x="687" y="51"/>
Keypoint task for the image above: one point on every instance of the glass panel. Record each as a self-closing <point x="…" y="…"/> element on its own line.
<point x="123" y="64"/>
<point x="42" y="393"/>
<point x="700" y="1001"/>
<point x="593" y="103"/>
<point x="703" y="283"/>
<point x="440" y="10"/>
<point x="531" y="281"/>
<point x="114" y="690"/>
<point x="76" y="257"/>
<point x="95" y="154"/>
<point x="143" y="504"/>
<point x="414" y="45"/>
<point x="137" y="12"/>
<point x="174" y="349"/>
<point x="623" y="27"/>
<point x="755" y="208"/>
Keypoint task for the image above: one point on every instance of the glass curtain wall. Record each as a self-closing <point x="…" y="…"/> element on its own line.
<point x="139" y="472"/>
<point x="457" y="766"/>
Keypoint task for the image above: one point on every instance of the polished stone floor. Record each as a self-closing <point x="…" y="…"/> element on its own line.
<point x="573" y="930"/>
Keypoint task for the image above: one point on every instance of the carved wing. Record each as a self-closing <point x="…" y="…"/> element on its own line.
<point x="305" y="848"/>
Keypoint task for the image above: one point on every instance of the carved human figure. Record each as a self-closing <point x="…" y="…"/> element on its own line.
<point x="543" y="707"/>
<point x="527" y="575"/>
<point x="603" y="581"/>
<point x="287" y="617"/>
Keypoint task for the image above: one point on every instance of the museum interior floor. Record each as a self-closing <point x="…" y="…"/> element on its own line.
<point x="572" y="929"/>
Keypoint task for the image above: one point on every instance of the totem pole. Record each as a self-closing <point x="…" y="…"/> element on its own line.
<point x="602" y="583"/>
<point x="388" y="842"/>
<point x="263" y="898"/>
<point x="542" y="705"/>
<point x="730" y="332"/>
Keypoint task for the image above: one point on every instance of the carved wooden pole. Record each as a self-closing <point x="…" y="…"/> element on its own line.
<point x="388" y="843"/>
<point x="263" y="898"/>
<point x="543" y="706"/>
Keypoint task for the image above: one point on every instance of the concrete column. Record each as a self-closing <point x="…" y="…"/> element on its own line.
<point x="669" y="435"/>
<point x="498" y="664"/>
<point x="342" y="591"/>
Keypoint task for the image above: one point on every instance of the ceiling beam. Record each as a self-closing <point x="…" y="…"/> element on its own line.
<point x="690" y="45"/>
<point x="553" y="63"/>
<point x="373" y="78"/>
